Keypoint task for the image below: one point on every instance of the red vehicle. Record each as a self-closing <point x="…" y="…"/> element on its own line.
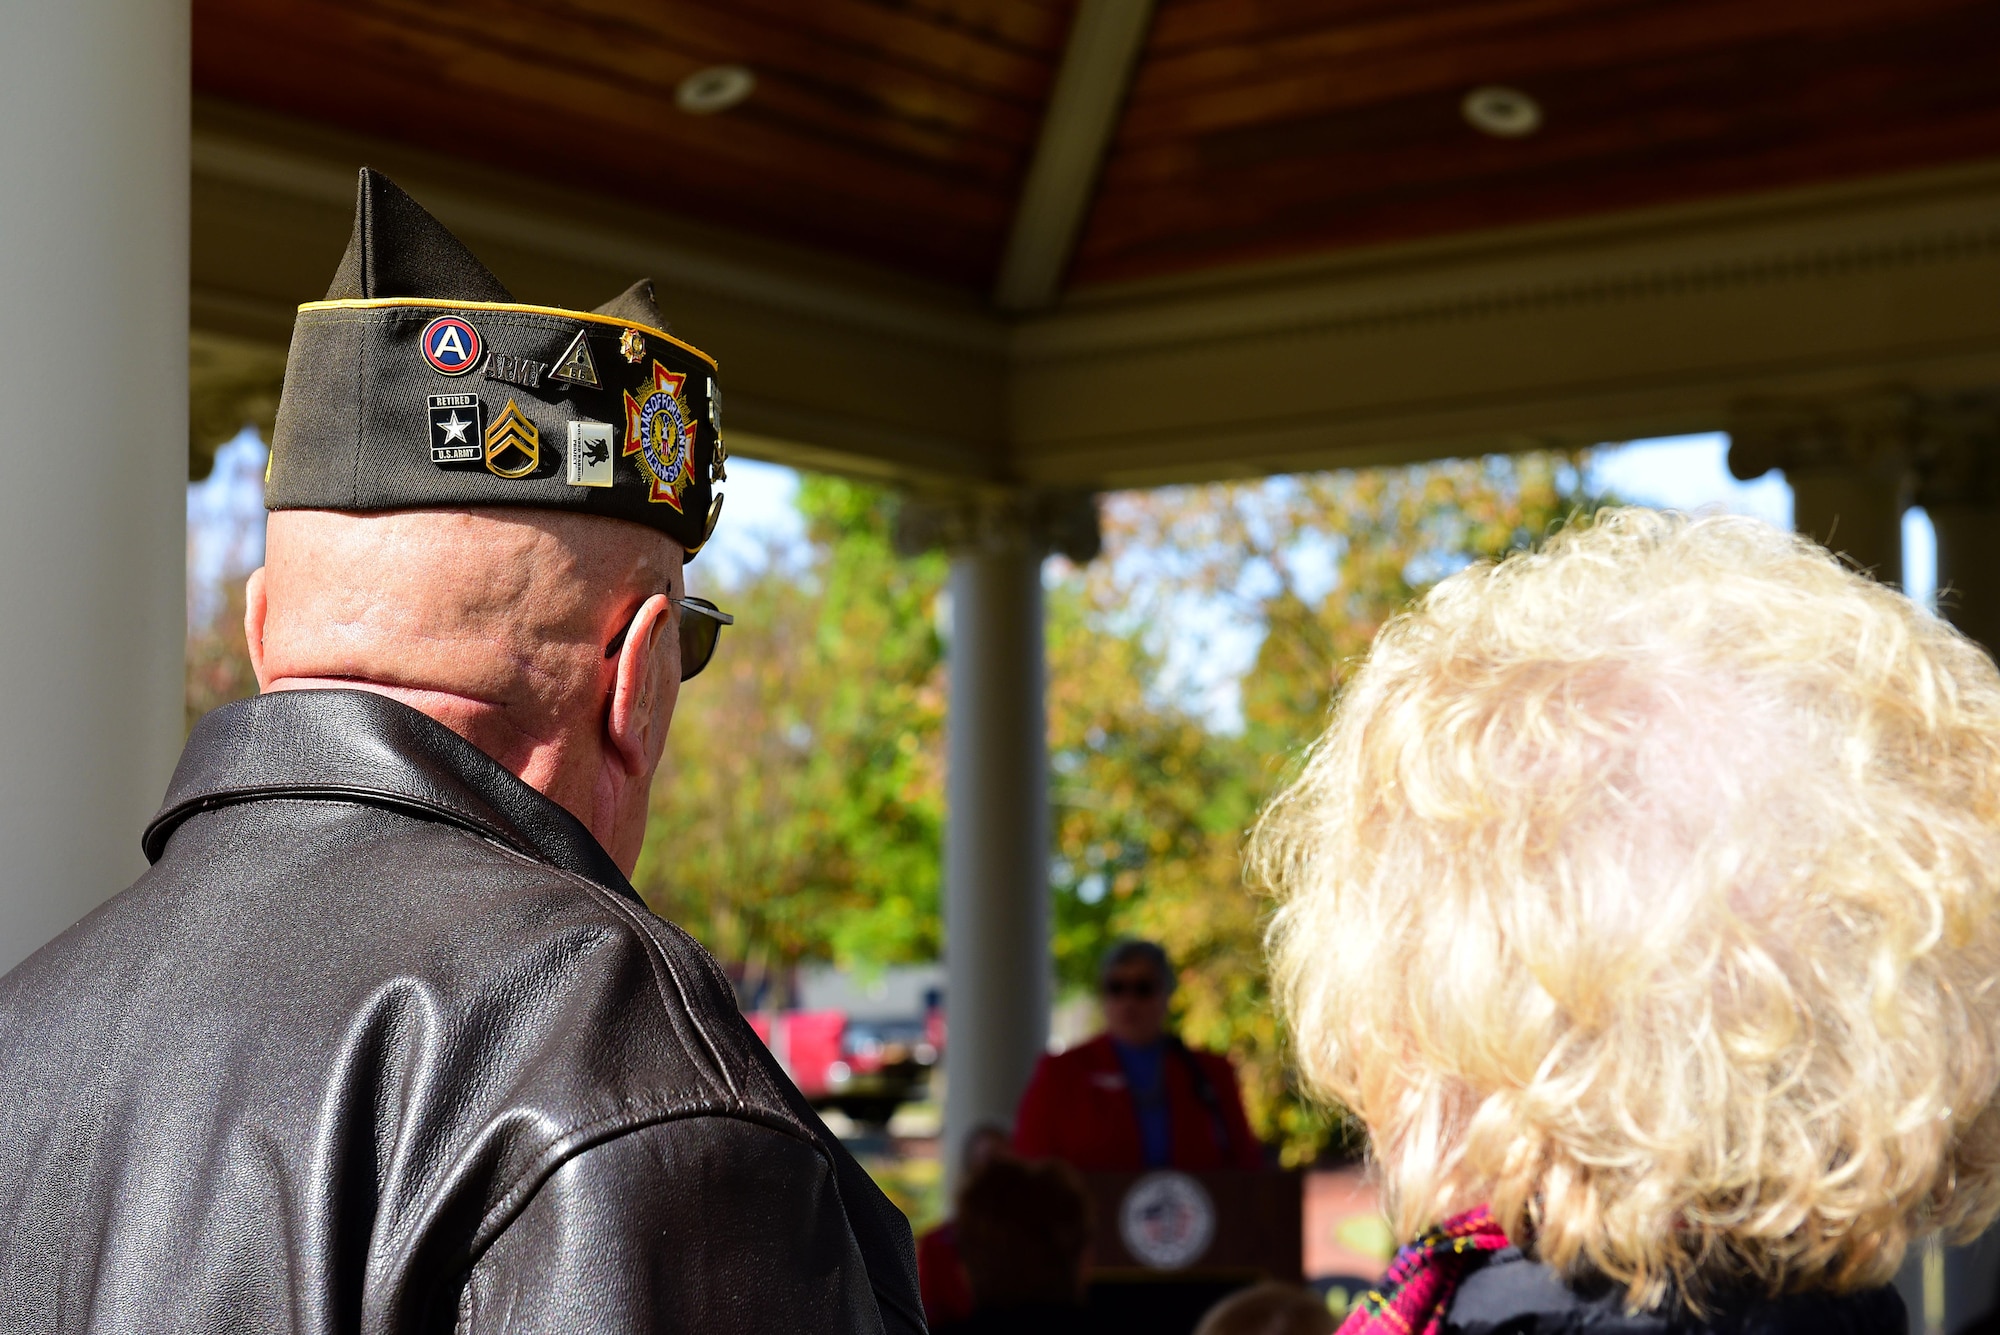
<point x="865" y="1068"/>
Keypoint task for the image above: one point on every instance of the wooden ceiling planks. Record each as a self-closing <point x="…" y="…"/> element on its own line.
<point x="899" y="131"/>
<point x="896" y="132"/>
<point x="1266" y="128"/>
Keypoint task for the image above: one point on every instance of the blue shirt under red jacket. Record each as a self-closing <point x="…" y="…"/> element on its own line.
<point x="1079" y="1108"/>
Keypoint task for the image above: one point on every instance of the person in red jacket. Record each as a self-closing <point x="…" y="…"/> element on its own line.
<point x="1136" y="1097"/>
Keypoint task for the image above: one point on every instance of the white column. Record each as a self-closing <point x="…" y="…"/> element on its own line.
<point x="93" y="361"/>
<point x="997" y="834"/>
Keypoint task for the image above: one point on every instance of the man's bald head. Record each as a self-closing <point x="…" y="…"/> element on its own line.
<point x="504" y="624"/>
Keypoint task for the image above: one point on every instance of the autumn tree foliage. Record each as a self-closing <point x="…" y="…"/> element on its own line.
<point x="1314" y="566"/>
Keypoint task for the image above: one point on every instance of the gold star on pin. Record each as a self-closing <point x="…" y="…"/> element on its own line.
<point x="632" y="343"/>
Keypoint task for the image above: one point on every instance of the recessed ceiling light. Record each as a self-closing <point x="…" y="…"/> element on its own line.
<point x="1507" y="113"/>
<point x="717" y="88"/>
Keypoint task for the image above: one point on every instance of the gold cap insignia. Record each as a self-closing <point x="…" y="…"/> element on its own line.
<point x="513" y="445"/>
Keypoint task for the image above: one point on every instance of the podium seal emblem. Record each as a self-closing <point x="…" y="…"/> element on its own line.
<point x="1167" y="1220"/>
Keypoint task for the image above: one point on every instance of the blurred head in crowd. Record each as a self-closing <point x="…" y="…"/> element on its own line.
<point x="983" y="1144"/>
<point x="1023" y="1233"/>
<point x="1647" y="888"/>
<point x="1134" y="981"/>
<point x="1269" y="1309"/>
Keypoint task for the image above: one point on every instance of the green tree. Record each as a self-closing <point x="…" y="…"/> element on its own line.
<point x="799" y="811"/>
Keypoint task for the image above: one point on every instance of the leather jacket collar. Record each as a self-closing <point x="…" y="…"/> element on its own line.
<point x="362" y="747"/>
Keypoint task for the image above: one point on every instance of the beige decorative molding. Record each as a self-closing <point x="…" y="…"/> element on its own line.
<point x="1878" y="433"/>
<point x="1063" y="522"/>
<point x="1568" y="334"/>
<point x="1943" y="448"/>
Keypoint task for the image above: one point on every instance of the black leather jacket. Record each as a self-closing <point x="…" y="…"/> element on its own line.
<point x="384" y="1042"/>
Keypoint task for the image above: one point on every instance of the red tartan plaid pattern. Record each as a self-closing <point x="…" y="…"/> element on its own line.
<point x="1424" y="1275"/>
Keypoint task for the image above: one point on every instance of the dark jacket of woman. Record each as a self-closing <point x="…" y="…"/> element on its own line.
<point x="1512" y="1295"/>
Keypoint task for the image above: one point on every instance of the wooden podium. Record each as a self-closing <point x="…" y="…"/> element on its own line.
<point x="1169" y="1245"/>
<point x="1240" y="1224"/>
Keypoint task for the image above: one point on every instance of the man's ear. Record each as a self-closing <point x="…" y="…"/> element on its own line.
<point x="646" y="687"/>
<point x="255" y="609"/>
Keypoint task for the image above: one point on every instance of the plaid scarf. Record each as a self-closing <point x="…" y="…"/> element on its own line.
<point x="1423" y="1277"/>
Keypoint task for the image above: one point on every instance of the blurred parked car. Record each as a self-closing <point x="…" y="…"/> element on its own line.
<point x="865" y="1067"/>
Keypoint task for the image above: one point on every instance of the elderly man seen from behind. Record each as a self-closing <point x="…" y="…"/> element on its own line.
<point x="384" y="1041"/>
<point x="1643" y="900"/>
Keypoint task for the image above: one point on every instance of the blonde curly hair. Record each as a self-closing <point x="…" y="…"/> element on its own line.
<point x="1647" y="889"/>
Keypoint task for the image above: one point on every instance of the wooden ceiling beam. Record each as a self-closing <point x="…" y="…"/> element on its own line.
<point x="1096" y="70"/>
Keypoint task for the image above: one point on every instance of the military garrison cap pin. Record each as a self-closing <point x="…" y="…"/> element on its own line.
<point x="523" y="371"/>
<point x="632" y="345"/>
<point x="716" y="471"/>
<point x="451" y="345"/>
<point x="513" y="445"/>
<point x="576" y="365"/>
<point x="458" y="426"/>
<point x="590" y="454"/>
<point x="657" y="429"/>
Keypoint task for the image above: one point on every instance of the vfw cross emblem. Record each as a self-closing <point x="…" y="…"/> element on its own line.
<point x="659" y="430"/>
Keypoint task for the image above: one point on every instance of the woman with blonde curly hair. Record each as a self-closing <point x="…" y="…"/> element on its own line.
<point x="1643" y="901"/>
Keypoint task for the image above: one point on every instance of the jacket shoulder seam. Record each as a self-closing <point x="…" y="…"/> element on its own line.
<point x="631" y="914"/>
<point x="582" y="1139"/>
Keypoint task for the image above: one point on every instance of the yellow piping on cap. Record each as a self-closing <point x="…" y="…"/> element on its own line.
<point x="432" y="304"/>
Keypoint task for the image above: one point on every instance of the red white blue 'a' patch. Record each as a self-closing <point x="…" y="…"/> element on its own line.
<point x="451" y="345"/>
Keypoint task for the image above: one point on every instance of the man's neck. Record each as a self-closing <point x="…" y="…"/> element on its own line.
<point x="566" y="769"/>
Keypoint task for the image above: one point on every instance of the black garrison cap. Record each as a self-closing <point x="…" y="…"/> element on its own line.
<point x="421" y="382"/>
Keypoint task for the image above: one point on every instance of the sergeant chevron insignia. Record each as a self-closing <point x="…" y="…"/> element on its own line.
<point x="513" y="444"/>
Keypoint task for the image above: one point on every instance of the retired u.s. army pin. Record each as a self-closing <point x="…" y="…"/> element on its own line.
<point x="458" y="426"/>
<point x="590" y="447"/>
<point x="513" y="444"/>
